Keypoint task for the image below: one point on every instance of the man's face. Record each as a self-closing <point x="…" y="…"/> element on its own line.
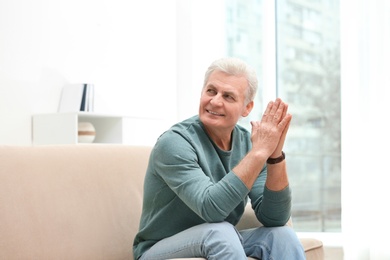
<point x="222" y="102"/>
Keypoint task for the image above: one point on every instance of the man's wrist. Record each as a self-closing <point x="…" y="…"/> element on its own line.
<point x="276" y="160"/>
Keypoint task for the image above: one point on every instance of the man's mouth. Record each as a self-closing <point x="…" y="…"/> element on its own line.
<point x="214" y="113"/>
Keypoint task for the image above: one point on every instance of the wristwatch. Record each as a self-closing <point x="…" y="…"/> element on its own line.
<point x="276" y="160"/>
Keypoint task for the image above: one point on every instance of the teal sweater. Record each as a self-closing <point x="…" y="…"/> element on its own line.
<point x="189" y="181"/>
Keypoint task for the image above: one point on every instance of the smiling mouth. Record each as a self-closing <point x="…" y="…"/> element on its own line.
<point x="214" y="113"/>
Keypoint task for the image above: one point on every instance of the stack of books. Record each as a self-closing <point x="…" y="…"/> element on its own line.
<point x="76" y="98"/>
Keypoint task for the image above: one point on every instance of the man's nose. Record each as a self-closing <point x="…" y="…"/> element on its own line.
<point x="216" y="100"/>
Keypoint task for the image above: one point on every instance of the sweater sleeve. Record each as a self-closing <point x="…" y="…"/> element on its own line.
<point x="178" y="164"/>
<point x="272" y="208"/>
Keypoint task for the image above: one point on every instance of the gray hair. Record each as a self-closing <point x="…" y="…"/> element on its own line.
<point x="236" y="67"/>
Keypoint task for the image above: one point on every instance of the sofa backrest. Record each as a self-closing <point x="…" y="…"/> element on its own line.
<point x="70" y="201"/>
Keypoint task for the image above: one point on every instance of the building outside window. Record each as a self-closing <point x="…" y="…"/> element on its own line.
<point x="307" y="77"/>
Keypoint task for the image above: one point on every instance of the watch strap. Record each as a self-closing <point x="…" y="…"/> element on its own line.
<point x="276" y="160"/>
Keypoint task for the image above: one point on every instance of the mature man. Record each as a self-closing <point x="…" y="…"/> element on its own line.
<point x="203" y="170"/>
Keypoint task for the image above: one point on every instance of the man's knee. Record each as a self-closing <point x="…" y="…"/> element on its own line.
<point x="223" y="240"/>
<point x="222" y="231"/>
<point x="275" y="242"/>
<point x="283" y="231"/>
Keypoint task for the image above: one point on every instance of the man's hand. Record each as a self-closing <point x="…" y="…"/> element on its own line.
<point x="267" y="138"/>
<point x="269" y="134"/>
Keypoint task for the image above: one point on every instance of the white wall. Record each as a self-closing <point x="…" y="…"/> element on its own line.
<point x="201" y="39"/>
<point x="365" y="81"/>
<point x="146" y="58"/>
<point x="127" y="49"/>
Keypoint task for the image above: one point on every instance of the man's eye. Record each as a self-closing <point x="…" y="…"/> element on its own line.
<point x="212" y="91"/>
<point x="229" y="97"/>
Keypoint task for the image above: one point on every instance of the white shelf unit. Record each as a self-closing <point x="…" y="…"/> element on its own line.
<point x="62" y="128"/>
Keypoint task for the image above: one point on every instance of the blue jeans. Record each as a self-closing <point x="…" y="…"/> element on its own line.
<point x="222" y="241"/>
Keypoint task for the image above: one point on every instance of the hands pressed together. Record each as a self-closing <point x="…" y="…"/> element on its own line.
<point x="268" y="134"/>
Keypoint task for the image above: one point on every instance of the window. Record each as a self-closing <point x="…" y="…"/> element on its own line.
<point x="307" y="76"/>
<point x="314" y="142"/>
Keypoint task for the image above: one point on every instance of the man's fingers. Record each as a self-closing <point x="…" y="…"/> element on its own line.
<point x="276" y="113"/>
<point x="275" y="106"/>
<point x="280" y="112"/>
<point x="268" y="110"/>
<point x="285" y="122"/>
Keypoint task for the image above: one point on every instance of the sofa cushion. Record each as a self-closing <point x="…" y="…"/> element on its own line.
<point x="71" y="201"/>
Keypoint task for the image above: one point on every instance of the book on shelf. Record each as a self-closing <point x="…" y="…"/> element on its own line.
<point x="76" y="98"/>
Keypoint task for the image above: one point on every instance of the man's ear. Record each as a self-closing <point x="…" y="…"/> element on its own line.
<point x="248" y="109"/>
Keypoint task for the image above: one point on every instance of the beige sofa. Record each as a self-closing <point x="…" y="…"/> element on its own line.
<point x="77" y="202"/>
